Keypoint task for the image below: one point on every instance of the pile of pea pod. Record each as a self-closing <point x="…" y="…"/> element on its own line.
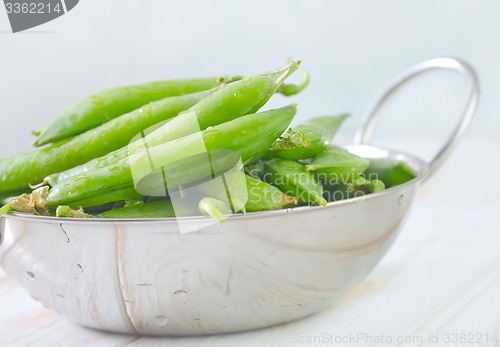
<point x="139" y="151"/>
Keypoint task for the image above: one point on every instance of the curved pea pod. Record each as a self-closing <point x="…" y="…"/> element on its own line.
<point x="100" y="108"/>
<point x="177" y="162"/>
<point x="290" y="176"/>
<point x="357" y="187"/>
<point x="19" y="171"/>
<point x="337" y="165"/>
<point x="308" y="139"/>
<point x="263" y="196"/>
<point x="100" y="199"/>
<point x="390" y="171"/>
<point x="229" y="102"/>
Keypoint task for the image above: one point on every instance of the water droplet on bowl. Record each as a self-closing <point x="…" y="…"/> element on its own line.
<point x="400" y="200"/>
<point x="60" y="296"/>
<point x="30" y="276"/>
<point x="161" y="320"/>
<point x="180" y="293"/>
<point x="78" y="271"/>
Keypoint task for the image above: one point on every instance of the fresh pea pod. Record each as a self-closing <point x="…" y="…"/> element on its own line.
<point x="390" y="171"/>
<point x="357" y="187"/>
<point x="290" y="176"/>
<point x="244" y="193"/>
<point x="154" y="209"/>
<point x="103" y="198"/>
<point x="227" y="103"/>
<point x="337" y="165"/>
<point x="308" y="139"/>
<point x="111" y="103"/>
<point x="245" y="136"/>
<point x="16" y="173"/>
<point x="100" y="108"/>
<point x="260" y="196"/>
<point x="263" y="196"/>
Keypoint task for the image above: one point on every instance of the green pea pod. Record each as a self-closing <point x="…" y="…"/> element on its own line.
<point x="308" y="139"/>
<point x="16" y="173"/>
<point x="357" y="187"/>
<point x="337" y="165"/>
<point x="227" y="103"/>
<point x="154" y="209"/>
<point x="108" y="104"/>
<point x="178" y="160"/>
<point x="390" y="171"/>
<point x="100" y="108"/>
<point x="243" y="192"/>
<point x="263" y="196"/>
<point x="292" y="179"/>
<point x="103" y="198"/>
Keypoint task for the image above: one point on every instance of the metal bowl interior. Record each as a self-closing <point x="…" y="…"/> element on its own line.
<point x="187" y="275"/>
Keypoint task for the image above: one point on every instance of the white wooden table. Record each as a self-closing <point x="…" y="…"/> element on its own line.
<point x="438" y="285"/>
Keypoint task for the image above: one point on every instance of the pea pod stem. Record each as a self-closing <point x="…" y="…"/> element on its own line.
<point x="6" y="209"/>
<point x="292" y="89"/>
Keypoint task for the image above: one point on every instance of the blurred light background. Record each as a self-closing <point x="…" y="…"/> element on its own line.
<point x="351" y="49"/>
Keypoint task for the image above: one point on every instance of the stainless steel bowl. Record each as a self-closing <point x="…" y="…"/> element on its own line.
<point x="265" y="268"/>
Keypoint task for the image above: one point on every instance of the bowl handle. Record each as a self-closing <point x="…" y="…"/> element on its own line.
<point x="365" y="131"/>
